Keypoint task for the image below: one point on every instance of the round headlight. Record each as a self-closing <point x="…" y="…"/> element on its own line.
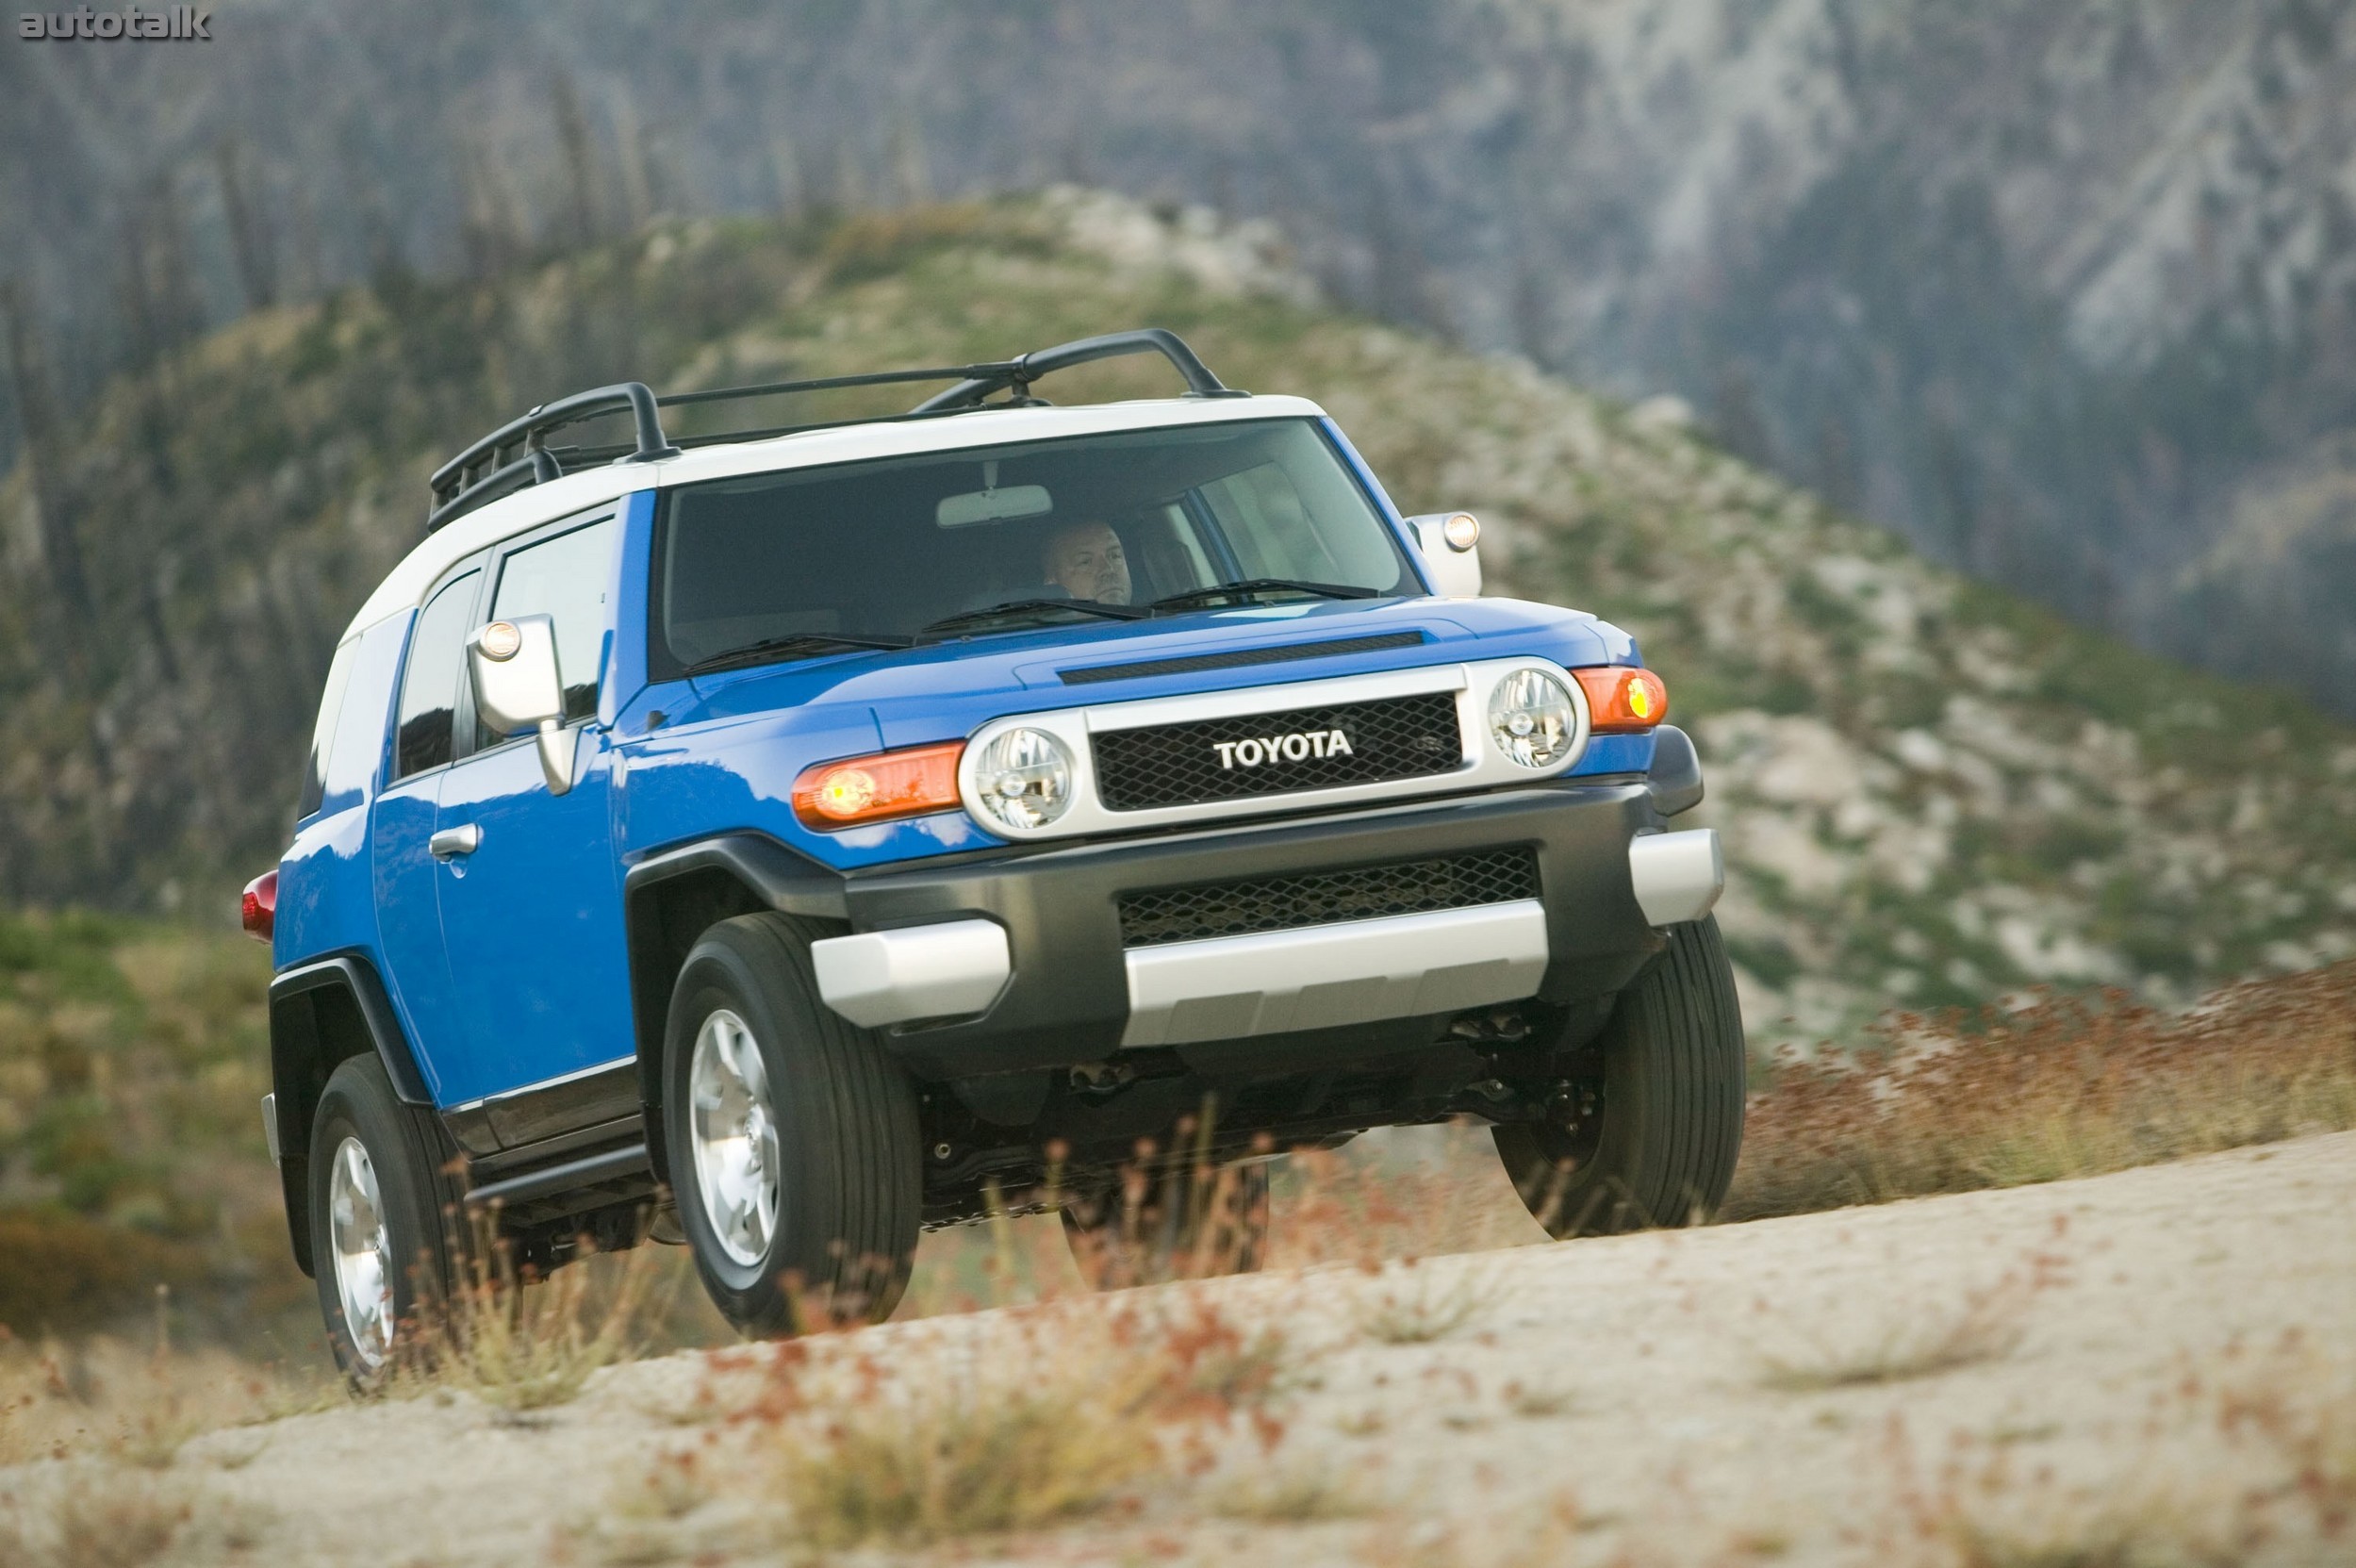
<point x="1024" y="779"/>
<point x="1531" y="718"/>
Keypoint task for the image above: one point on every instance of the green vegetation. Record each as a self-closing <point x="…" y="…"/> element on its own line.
<point x="133" y="1059"/>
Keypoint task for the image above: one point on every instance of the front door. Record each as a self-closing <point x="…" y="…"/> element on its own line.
<point x="532" y="912"/>
<point x="403" y="870"/>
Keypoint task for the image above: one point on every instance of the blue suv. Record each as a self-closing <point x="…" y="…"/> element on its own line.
<point x="782" y="841"/>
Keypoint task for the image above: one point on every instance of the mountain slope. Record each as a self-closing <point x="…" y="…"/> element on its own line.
<point x="1931" y="790"/>
<point x="2061" y="293"/>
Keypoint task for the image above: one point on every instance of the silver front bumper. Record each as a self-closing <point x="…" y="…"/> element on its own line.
<point x="1320" y="977"/>
<point x="1270" y="982"/>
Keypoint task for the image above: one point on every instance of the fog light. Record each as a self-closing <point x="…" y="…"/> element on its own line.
<point x="1531" y="718"/>
<point x="1024" y="779"/>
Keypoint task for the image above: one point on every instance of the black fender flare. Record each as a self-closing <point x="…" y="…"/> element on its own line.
<point x="1675" y="780"/>
<point x="322" y="1015"/>
<point x="672" y="897"/>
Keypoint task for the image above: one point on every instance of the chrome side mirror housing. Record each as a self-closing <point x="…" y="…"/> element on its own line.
<point x="518" y="686"/>
<point x="1450" y="544"/>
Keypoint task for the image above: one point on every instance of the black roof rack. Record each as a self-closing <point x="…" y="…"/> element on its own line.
<point x="485" y="472"/>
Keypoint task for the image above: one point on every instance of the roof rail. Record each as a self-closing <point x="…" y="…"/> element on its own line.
<point x="1017" y="374"/>
<point x="460" y="485"/>
<point x="478" y="475"/>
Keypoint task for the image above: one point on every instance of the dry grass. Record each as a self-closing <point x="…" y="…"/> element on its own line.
<point x="1294" y="1491"/>
<point x="103" y="1515"/>
<point x="522" y="1345"/>
<point x="134" y="1405"/>
<point x="2245" y="1460"/>
<point x="1917" y="1346"/>
<point x="1417" y="1302"/>
<point x="1036" y="1417"/>
<point x="2065" y="1087"/>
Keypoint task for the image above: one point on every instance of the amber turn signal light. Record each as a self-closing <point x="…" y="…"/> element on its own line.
<point x="1621" y="699"/>
<point x="879" y="788"/>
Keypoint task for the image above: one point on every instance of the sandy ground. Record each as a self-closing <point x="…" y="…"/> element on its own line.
<point x="1650" y="1398"/>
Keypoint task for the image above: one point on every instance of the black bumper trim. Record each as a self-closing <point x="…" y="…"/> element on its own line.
<point x="1068" y="1000"/>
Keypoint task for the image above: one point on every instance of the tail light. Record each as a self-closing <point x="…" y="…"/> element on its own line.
<point x="879" y="788"/>
<point x="1622" y="698"/>
<point x="257" y="911"/>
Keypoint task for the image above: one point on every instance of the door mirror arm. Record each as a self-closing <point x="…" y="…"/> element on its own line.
<point x="559" y="747"/>
<point x="518" y="686"/>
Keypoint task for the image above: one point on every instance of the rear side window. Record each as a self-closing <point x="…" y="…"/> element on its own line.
<point x="429" y="686"/>
<point x="323" y="732"/>
<point x="565" y="578"/>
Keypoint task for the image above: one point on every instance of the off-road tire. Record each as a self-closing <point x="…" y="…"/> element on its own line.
<point x="852" y="1166"/>
<point x="1180" y="1224"/>
<point x="1671" y="1107"/>
<point x="415" y="1167"/>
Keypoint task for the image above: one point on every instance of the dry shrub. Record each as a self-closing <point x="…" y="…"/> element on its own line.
<point x="109" y="1516"/>
<point x="1295" y="1492"/>
<point x="66" y="1270"/>
<point x="1043" y="1414"/>
<point x="138" y="1405"/>
<point x="2244" y="1458"/>
<point x="1913" y="1341"/>
<point x="523" y="1343"/>
<point x="2066" y="1086"/>
<point x="1417" y="1302"/>
<point x="1397" y="1193"/>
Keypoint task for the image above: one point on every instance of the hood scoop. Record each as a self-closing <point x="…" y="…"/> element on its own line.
<point x="1276" y="653"/>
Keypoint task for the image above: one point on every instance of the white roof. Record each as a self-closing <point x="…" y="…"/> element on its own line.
<point x="405" y="587"/>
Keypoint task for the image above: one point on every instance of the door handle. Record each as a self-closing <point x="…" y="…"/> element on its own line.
<point x="450" y="843"/>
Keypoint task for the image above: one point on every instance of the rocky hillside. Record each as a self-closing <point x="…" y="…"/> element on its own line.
<point x="2063" y="293"/>
<point x="1932" y="791"/>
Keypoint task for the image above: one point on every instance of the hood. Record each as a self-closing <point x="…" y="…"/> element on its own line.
<point x="945" y="690"/>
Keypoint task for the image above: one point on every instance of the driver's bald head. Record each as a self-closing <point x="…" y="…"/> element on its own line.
<point x="1086" y="561"/>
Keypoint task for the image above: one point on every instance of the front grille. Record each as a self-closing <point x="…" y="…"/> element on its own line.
<point x="1227" y="759"/>
<point x="1324" y="898"/>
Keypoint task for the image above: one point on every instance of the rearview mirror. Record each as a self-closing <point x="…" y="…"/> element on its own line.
<point x="1449" y="543"/>
<point x="518" y="686"/>
<point x="1015" y="500"/>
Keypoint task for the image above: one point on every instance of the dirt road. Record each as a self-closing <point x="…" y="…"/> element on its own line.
<point x="2142" y="1363"/>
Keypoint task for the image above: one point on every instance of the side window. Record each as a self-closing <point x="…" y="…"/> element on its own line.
<point x="429" y="686"/>
<point x="565" y="579"/>
<point x="323" y="732"/>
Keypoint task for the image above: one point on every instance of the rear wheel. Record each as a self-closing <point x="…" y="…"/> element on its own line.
<point x="1655" y="1144"/>
<point x="791" y="1137"/>
<point x="386" y="1232"/>
<point x="1184" y="1224"/>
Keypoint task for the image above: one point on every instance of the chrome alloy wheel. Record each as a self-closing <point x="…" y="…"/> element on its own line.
<point x="735" y="1137"/>
<point x="363" y="1261"/>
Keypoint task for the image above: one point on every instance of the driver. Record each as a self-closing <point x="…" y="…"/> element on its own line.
<point x="1086" y="561"/>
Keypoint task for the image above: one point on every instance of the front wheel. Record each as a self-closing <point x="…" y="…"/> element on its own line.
<point x="1654" y="1143"/>
<point x="791" y="1137"/>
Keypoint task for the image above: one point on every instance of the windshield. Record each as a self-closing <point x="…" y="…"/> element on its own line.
<point x="1001" y="538"/>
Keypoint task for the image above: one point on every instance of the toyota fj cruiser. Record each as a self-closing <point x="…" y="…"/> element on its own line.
<point x="787" y="840"/>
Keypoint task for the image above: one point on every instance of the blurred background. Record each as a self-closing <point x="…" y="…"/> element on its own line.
<point x="1958" y="402"/>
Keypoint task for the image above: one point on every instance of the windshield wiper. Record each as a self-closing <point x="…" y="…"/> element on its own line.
<point x="798" y="645"/>
<point x="1252" y="588"/>
<point x="1029" y="606"/>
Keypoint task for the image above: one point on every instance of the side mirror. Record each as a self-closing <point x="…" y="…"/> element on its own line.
<point x="1450" y="541"/>
<point x="517" y="686"/>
